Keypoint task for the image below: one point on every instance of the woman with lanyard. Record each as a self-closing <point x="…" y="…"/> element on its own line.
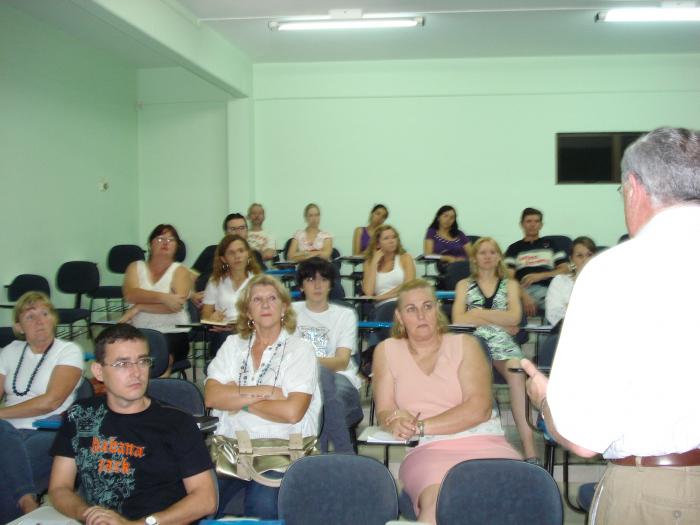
<point x="263" y="380"/>
<point x="39" y="374"/>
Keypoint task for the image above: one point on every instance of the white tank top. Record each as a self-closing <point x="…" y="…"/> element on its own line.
<point x="387" y="280"/>
<point x="162" y="322"/>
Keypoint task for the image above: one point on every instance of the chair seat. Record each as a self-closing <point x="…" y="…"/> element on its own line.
<point x="585" y="495"/>
<point x="107" y="292"/>
<point x="406" y="506"/>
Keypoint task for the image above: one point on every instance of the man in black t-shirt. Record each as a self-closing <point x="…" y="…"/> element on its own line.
<point x="534" y="261"/>
<point x="138" y="461"/>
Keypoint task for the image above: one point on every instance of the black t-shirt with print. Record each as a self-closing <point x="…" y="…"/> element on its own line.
<point x="133" y="464"/>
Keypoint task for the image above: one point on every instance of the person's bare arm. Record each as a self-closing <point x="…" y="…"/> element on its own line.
<point x="229" y="396"/>
<point x="200" y="501"/>
<point x="356" y="239"/>
<point x="269" y="253"/>
<point x="508" y="318"/>
<point x="474" y="375"/>
<point x="369" y="274"/>
<point x="62" y="491"/>
<point x="537" y="391"/>
<point x="428" y="247"/>
<point x="326" y="251"/>
<point x="289" y="410"/>
<point x="61" y="384"/>
<point x="533" y="278"/>
<point x="338" y="362"/>
<point x="293" y="254"/>
<point x="401" y="423"/>
<point x="153" y="302"/>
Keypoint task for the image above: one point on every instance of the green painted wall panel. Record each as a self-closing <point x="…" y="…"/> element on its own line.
<point x="480" y="136"/>
<point x="68" y="122"/>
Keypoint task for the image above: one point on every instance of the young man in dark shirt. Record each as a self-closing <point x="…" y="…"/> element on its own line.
<point x="138" y="461"/>
<point x="534" y="261"/>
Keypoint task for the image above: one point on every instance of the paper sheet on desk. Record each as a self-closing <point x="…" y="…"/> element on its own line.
<point x="34" y="521"/>
<point x="376" y="435"/>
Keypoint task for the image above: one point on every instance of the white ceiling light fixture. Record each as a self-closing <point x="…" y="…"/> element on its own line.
<point x="347" y="19"/>
<point x="668" y="12"/>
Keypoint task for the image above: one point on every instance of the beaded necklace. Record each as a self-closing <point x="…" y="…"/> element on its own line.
<point x="36" y="369"/>
<point x="243" y="371"/>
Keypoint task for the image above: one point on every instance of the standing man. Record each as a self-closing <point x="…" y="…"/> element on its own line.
<point x="332" y="329"/>
<point x="534" y="261"/>
<point x="624" y="381"/>
<point x="138" y="461"/>
<point x="259" y="239"/>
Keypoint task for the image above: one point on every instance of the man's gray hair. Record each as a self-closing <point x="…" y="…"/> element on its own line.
<point x="666" y="162"/>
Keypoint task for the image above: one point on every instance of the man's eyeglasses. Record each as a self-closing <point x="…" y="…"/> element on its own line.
<point x="143" y="363"/>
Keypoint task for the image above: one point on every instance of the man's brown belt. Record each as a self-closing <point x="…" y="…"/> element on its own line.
<point x="685" y="459"/>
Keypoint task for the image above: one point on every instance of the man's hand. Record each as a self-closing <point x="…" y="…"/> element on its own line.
<point x="536" y="384"/>
<point x="101" y="516"/>
<point x="528" y="304"/>
<point x="532" y="278"/>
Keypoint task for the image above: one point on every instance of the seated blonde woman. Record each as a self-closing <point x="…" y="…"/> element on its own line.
<point x="39" y="374"/>
<point x="436" y="386"/>
<point x="490" y="300"/>
<point x="263" y="380"/>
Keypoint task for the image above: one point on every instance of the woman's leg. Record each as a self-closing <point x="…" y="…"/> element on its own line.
<point x="260" y="500"/>
<point x="516" y="385"/>
<point x="427" y="503"/>
<point x="228" y="488"/>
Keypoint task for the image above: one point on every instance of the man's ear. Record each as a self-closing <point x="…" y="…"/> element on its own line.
<point x="96" y="369"/>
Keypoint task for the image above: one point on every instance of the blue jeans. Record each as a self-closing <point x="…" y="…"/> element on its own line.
<point x="260" y="501"/>
<point x="341" y="410"/>
<point x="26" y="466"/>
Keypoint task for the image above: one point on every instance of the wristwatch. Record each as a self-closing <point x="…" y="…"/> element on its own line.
<point x="421" y="428"/>
<point x="151" y="520"/>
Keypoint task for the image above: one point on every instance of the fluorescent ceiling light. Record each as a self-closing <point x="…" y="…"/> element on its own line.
<point x="650" y="14"/>
<point x="346" y="23"/>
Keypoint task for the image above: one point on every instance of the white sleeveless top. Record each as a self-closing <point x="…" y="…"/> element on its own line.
<point x="387" y="280"/>
<point x="162" y="322"/>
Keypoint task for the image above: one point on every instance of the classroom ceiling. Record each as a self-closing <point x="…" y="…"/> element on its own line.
<point x="453" y="29"/>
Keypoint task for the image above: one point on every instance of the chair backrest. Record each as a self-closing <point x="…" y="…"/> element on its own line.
<point x="454" y="273"/>
<point x="181" y="252"/>
<point x="85" y="390"/>
<point x="205" y="261"/>
<point x="158" y="349"/>
<point x="563" y="242"/>
<point x="499" y="492"/>
<point x="27" y="282"/>
<point x="6" y="336"/>
<point x="178" y="393"/>
<point x="285" y="250"/>
<point x="78" y="277"/>
<point x="122" y="255"/>
<point x="341" y="489"/>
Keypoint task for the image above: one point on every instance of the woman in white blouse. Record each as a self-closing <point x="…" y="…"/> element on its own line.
<point x="234" y="265"/>
<point x="387" y="265"/>
<point x="264" y="380"/>
<point x="559" y="291"/>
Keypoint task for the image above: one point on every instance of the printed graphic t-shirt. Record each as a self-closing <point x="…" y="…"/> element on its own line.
<point x="133" y="464"/>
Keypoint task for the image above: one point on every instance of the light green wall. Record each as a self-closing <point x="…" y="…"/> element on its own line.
<point x="68" y="121"/>
<point x="182" y="156"/>
<point x="479" y="134"/>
